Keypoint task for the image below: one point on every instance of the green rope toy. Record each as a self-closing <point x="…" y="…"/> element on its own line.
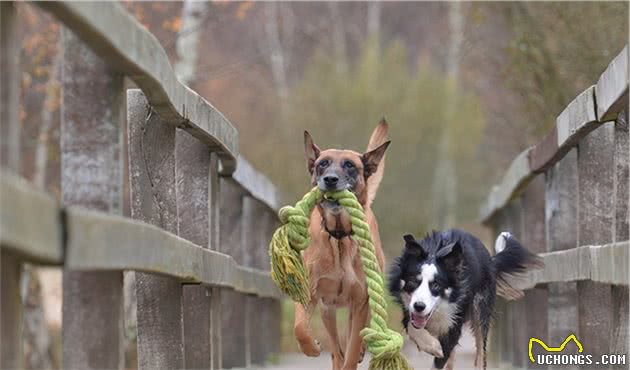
<point x="289" y="273"/>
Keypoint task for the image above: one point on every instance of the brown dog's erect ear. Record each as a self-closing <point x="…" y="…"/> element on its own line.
<point x="379" y="135"/>
<point x="311" y="150"/>
<point x="372" y="158"/>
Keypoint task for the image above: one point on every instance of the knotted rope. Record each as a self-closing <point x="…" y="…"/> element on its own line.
<point x="289" y="273"/>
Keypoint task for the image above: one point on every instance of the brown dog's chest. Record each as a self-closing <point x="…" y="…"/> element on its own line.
<point x="338" y="279"/>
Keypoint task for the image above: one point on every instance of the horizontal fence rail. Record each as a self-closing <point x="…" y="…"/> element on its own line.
<point x="568" y="199"/>
<point x="117" y="38"/>
<point x="589" y="110"/>
<point x="191" y="261"/>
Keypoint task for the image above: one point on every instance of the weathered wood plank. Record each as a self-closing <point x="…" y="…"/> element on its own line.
<point x="129" y="48"/>
<point x="272" y="308"/>
<point x="620" y="297"/>
<point x="534" y="305"/>
<point x="561" y="234"/>
<point x="255" y="184"/>
<point x="214" y="222"/>
<point x="496" y="342"/>
<point x="91" y="118"/>
<point x="30" y="221"/>
<point x="612" y="88"/>
<point x="600" y="263"/>
<point x="515" y="311"/>
<point x="10" y="155"/>
<point x="516" y="177"/>
<point x="118" y="243"/>
<point x="622" y="178"/>
<point x="192" y="170"/>
<point x="233" y="303"/>
<point x="153" y="200"/>
<point x="255" y="225"/>
<point x="10" y="267"/>
<point x="576" y="121"/>
<point x="596" y="220"/>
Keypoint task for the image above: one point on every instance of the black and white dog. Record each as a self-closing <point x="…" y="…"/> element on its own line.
<point x="449" y="278"/>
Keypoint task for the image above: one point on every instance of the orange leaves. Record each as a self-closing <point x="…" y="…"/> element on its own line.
<point x="243" y="8"/>
<point x="173" y="25"/>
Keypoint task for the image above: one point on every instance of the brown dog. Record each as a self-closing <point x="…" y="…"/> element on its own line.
<point x="333" y="261"/>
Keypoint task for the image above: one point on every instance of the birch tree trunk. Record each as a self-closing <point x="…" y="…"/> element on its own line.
<point x="445" y="179"/>
<point x="276" y="54"/>
<point x="338" y="36"/>
<point x="187" y="45"/>
<point x="374" y="18"/>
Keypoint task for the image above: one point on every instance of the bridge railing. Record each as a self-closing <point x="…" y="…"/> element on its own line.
<point x="194" y="250"/>
<point x="567" y="198"/>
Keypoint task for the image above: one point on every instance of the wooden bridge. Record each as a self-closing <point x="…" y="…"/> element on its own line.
<point x="194" y="243"/>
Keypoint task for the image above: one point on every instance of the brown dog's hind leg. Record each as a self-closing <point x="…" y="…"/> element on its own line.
<point x="308" y="345"/>
<point x="329" y="318"/>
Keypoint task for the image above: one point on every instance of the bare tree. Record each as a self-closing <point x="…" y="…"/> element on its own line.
<point x="276" y="54"/>
<point x="445" y="178"/>
<point x="187" y="45"/>
<point x="338" y="36"/>
<point x="374" y="18"/>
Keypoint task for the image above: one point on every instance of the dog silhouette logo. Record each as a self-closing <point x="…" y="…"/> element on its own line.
<point x="560" y="348"/>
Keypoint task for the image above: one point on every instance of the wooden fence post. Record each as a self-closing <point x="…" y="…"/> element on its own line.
<point x="254" y="226"/>
<point x="10" y="267"/>
<point x="91" y="177"/>
<point x="534" y="304"/>
<point x="153" y="200"/>
<point x="193" y="169"/>
<point x="272" y="309"/>
<point x="620" y="308"/>
<point x="595" y="214"/>
<point x="561" y="201"/>
<point x="514" y="309"/>
<point x="497" y="347"/>
<point x="214" y="232"/>
<point x="233" y="303"/>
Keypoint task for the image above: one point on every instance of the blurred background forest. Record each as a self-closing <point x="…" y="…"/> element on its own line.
<point x="464" y="86"/>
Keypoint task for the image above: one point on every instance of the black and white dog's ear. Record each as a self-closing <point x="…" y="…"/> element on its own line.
<point x="412" y="246"/>
<point x="409" y="239"/>
<point x="450" y="256"/>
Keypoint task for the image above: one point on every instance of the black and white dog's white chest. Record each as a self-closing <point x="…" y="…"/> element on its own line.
<point x="442" y="319"/>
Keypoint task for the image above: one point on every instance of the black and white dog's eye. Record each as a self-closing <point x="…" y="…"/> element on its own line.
<point x="348" y="164"/>
<point x="435" y="287"/>
<point x="323" y="163"/>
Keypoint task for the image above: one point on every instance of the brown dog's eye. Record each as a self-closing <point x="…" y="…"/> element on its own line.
<point x="323" y="163"/>
<point x="348" y="164"/>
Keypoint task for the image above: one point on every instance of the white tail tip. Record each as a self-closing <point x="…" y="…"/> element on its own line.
<point x="501" y="242"/>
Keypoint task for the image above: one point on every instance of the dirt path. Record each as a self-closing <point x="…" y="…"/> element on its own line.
<point x="297" y="361"/>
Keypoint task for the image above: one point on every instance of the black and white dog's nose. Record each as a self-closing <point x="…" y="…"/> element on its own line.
<point x="419" y="306"/>
<point x="331" y="180"/>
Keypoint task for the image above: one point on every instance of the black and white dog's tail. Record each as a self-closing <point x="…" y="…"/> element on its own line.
<point x="512" y="259"/>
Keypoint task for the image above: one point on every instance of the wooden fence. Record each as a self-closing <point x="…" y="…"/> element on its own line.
<point x="567" y="198"/>
<point x="201" y="217"/>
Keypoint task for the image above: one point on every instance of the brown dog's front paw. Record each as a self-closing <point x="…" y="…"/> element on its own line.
<point x="310" y="347"/>
<point x="362" y="353"/>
